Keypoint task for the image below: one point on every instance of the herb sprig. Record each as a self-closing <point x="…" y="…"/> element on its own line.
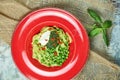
<point x="99" y="26"/>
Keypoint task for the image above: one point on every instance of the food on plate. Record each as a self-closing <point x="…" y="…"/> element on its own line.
<point x="51" y="46"/>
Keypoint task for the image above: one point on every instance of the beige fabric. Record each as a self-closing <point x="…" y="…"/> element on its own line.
<point x="97" y="68"/>
<point x="7" y="26"/>
<point x="10" y="13"/>
<point x="12" y="9"/>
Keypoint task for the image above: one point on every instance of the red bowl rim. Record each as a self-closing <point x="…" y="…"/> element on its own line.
<point x="65" y="12"/>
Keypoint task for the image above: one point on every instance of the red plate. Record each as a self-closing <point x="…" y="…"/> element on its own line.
<point x="31" y="25"/>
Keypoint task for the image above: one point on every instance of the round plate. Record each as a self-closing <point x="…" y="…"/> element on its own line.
<point x="31" y="25"/>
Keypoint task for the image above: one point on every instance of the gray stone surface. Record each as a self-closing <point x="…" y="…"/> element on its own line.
<point x="114" y="48"/>
<point x="8" y="70"/>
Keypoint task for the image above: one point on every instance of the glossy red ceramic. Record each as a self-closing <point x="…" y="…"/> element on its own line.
<point x="31" y="25"/>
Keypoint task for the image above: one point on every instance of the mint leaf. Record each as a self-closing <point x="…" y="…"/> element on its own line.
<point x="105" y="37"/>
<point x="94" y="15"/>
<point x="107" y="24"/>
<point x="99" y="26"/>
<point x="95" y="32"/>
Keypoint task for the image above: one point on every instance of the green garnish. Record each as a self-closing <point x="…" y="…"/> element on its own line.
<point x="99" y="26"/>
<point x="53" y="41"/>
<point x="94" y="15"/>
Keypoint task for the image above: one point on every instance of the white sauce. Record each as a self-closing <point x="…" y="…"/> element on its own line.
<point x="44" y="38"/>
